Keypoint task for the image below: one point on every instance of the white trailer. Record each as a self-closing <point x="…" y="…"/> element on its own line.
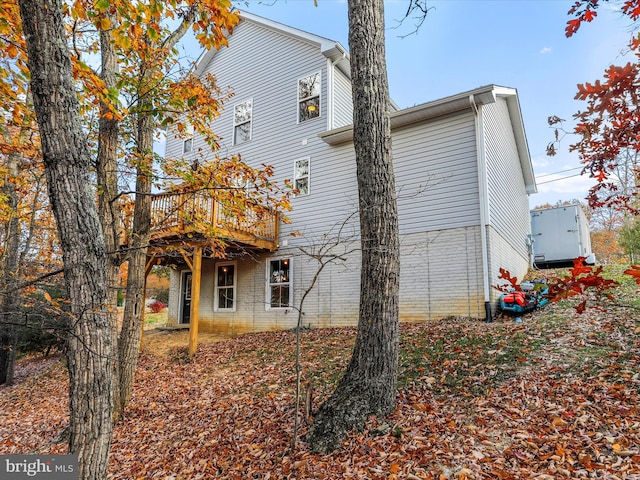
<point x="558" y="235"/>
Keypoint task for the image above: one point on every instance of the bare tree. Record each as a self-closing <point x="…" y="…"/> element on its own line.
<point x="369" y="383"/>
<point x="67" y="164"/>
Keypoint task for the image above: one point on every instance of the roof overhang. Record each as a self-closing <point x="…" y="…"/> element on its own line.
<point x="457" y="103"/>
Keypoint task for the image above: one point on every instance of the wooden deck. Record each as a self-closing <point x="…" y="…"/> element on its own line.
<point x="195" y="217"/>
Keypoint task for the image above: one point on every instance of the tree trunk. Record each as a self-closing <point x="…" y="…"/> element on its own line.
<point x="67" y="164"/>
<point x="10" y="261"/>
<point x="108" y="203"/>
<point x="369" y="383"/>
<point x="130" y="335"/>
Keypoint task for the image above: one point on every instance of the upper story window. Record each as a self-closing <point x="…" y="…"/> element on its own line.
<point x="242" y="114"/>
<point x="309" y="97"/>
<point x="301" y="175"/>
<point x="187" y="142"/>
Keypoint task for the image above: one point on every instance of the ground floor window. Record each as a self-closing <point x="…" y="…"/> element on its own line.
<point x="279" y="283"/>
<point x="225" y="286"/>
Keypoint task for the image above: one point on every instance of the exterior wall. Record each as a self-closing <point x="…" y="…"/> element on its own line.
<point x="441" y="275"/>
<point x="343" y="102"/>
<point x="433" y="284"/>
<point x="509" y="222"/>
<point x="501" y="256"/>
<point x="436" y="174"/>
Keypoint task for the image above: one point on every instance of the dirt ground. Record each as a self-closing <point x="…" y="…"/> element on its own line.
<point x="160" y="342"/>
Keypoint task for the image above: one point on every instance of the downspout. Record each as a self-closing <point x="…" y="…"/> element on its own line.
<point x="484" y="207"/>
<point x="330" y="65"/>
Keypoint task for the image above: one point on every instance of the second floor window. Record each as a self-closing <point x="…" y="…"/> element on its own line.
<point x="309" y="97"/>
<point x="242" y="114"/>
<point x="301" y="172"/>
<point x="187" y="143"/>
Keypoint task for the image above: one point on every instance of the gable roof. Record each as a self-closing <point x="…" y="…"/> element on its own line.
<point x="456" y="103"/>
<point x="331" y="49"/>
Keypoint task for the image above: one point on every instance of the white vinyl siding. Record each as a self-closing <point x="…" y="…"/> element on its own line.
<point x="505" y="184"/>
<point x="436" y="174"/>
<point x="342" y="100"/>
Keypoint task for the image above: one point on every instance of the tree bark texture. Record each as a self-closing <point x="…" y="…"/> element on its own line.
<point x="369" y="383"/>
<point x="108" y="203"/>
<point x="130" y="335"/>
<point x="9" y="302"/>
<point x="67" y="164"/>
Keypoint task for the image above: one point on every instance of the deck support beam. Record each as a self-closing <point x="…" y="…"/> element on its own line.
<point x="196" y="270"/>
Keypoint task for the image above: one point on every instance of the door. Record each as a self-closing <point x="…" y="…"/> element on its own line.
<point x="185" y="289"/>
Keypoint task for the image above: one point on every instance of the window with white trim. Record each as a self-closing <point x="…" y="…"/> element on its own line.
<point x="187" y="142"/>
<point x="279" y="293"/>
<point x="242" y="114"/>
<point x="225" y="286"/>
<point x="309" y="97"/>
<point x="301" y="175"/>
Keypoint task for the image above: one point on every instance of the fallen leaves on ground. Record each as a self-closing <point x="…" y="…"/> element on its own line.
<point x="556" y="396"/>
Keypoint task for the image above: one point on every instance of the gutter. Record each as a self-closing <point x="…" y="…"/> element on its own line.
<point x="484" y="205"/>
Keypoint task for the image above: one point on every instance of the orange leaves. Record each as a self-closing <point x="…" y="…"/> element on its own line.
<point x="607" y="126"/>
<point x="512" y="282"/>
<point x="585" y="11"/>
<point x="632" y="9"/>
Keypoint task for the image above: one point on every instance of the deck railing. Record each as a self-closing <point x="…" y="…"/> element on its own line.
<point x="176" y="214"/>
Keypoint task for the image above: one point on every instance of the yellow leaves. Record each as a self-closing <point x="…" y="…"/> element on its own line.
<point x="11" y="50"/>
<point x="103" y="23"/>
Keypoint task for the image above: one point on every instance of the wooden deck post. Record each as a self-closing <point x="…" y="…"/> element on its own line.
<point x="195" y="299"/>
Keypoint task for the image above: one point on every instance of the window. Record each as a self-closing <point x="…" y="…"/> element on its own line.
<point x="309" y="97"/>
<point x="301" y="176"/>
<point x="187" y="143"/>
<point x="279" y="294"/>
<point x="242" y="122"/>
<point x="225" y="286"/>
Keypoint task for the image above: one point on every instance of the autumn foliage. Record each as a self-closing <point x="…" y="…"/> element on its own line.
<point x="607" y="126"/>
<point x="576" y="282"/>
<point x="544" y="399"/>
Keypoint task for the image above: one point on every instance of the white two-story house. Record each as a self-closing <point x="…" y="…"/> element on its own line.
<point x="463" y="175"/>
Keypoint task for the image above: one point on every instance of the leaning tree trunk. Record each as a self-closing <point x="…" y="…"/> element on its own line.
<point x="10" y="261"/>
<point x="67" y="164"/>
<point x="130" y="334"/>
<point x="369" y="383"/>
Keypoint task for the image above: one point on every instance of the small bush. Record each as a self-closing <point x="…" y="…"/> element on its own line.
<point x="157" y="306"/>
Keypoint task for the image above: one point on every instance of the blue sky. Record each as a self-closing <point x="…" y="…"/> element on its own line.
<point x="464" y="44"/>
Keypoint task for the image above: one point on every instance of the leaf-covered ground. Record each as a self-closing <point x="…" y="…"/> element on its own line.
<point x="556" y="396"/>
